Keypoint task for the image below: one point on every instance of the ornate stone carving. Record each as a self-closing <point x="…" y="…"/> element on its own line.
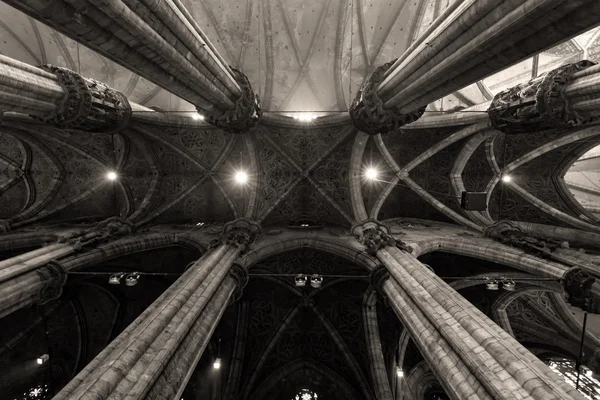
<point x="54" y="277"/>
<point x="578" y="285"/>
<point x="106" y="229"/>
<point x="88" y="104"/>
<point x="538" y="104"/>
<point x="511" y="234"/>
<point x="240" y="233"/>
<point x="240" y="275"/>
<point x="367" y="109"/>
<point x="377" y="277"/>
<point x="374" y="236"/>
<point x="247" y="112"/>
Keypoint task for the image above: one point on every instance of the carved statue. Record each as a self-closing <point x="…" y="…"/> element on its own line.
<point x="88" y="104"/>
<point x="247" y="112"/>
<point x="375" y="236"/>
<point x="240" y="233"/>
<point x="367" y="109"/>
<point x="538" y="104"/>
<point x="511" y="234"/>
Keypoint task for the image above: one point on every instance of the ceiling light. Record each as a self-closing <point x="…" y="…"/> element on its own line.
<point x="371" y="173"/>
<point x="399" y="372"/>
<point x="509" y="285"/>
<point x="241" y="177"/>
<point x="217" y="363"/>
<point x="115" y="279"/>
<point x="300" y="280"/>
<point x="132" y="279"/>
<point x="506" y="178"/>
<point x="304" y="117"/>
<point x="111" y="176"/>
<point x="43" y="359"/>
<point x="316" y="281"/>
<point x="491" y="284"/>
<point x="197" y="116"/>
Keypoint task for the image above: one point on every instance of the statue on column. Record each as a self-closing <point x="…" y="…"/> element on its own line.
<point x="538" y="104"/>
<point x="240" y="233"/>
<point x="247" y="112"/>
<point x="105" y="230"/>
<point x="368" y="112"/>
<point x="375" y="235"/>
<point x="88" y="104"/>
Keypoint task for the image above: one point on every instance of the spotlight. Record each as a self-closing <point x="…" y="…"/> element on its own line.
<point x="506" y="178"/>
<point x="217" y="363"/>
<point x="132" y="279"/>
<point x="111" y="176"/>
<point x="508" y="285"/>
<point x="197" y="116"/>
<point x="491" y="284"/>
<point x="43" y="359"/>
<point x="304" y="117"/>
<point x="241" y="177"/>
<point x="316" y="281"/>
<point x="399" y="372"/>
<point x="115" y="279"/>
<point x="371" y="173"/>
<point x="300" y="280"/>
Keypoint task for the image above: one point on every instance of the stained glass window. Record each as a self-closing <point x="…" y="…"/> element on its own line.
<point x="306" y="394"/>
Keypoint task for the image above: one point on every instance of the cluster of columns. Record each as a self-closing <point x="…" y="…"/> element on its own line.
<point x="467" y="42"/>
<point x="472" y="357"/>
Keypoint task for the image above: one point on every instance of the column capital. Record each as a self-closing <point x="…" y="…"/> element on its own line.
<point x="511" y="234"/>
<point x="375" y="235"/>
<point x="104" y="230"/>
<point x="538" y="104"/>
<point x="367" y="110"/>
<point x="88" y="104"/>
<point x="247" y="112"/>
<point x="578" y="285"/>
<point x="54" y="276"/>
<point x="240" y="233"/>
<point x="240" y="275"/>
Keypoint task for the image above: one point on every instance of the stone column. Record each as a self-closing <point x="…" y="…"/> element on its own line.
<point x="470" y="40"/>
<point x="155" y="355"/>
<point x="170" y="50"/>
<point x="471" y="355"/>
<point x="379" y="374"/>
<point x="36" y="277"/>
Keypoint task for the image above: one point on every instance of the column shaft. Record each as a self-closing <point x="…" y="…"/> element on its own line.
<point x="504" y="367"/>
<point x="477" y="38"/>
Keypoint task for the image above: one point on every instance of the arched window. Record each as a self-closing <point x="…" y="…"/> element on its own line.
<point x="306" y="394"/>
<point x="583" y="180"/>
<point x="588" y="385"/>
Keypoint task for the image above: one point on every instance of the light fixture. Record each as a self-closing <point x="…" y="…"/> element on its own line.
<point x="399" y="372"/>
<point x="300" y="280"/>
<point x="506" y="178"/>
<point x="115" y="279"/>
<point x="316" y="281"/>
<point x="304" y="117"/>
<point x="111" y="176"/>
<point x="371" y="173"/>
<point x="132" y="279"/>
<point x="217" y="363"/>
<point x="43" y="359"/>
<point x="241" y="177"/>
<point x="197" y="116"/>
<point x="508" y="285"/>
<point x="491" y="284"/>
<point x="304" y="225"/>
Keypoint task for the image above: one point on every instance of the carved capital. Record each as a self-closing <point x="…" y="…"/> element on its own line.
<point x="247" y="112"/>
<point x="367" y="109"/>
<point x="54" y="276"/>
<point x="88" y="104"/>
<point x="578" y="285"/>
<point x="538" y="104"/>
<point x="240" y="233"/>
<point x="377" y="277"/>
<point x="375" y="235"/>
<point x="115" y="226"/>
<point x="240" y="275"/>
<point x="511" y="234"/>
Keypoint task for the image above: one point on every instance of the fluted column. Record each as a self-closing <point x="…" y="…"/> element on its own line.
<point x="160" y="41"/>
<point x="377" y="367"/>
<point x="36" y="277"/>
<point x="471" y="40"/>
<point x="473" y="356"/>
<point x="155" y="355"/>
